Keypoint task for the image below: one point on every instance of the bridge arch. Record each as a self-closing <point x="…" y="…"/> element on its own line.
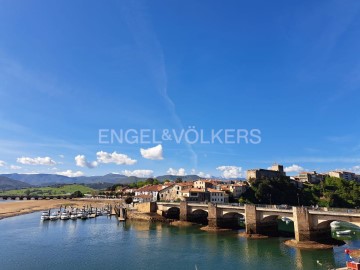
<point x="325" y="224"/>
<point x="199" y="216"/>
<point x="272" y="218"/>
<point x="277" y="224"/>
<point x="232" y="220"/>
<point x="173" y="213"/>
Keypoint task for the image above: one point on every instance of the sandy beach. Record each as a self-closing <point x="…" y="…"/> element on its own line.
<point x="15" y="208"/>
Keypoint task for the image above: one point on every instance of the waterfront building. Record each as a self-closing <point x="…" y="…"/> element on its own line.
<point x="152" y="190"/>
<point x="142" y="198"/>
<point x="218" y="196"/>
<point x="233" y="189"/>
<point x="203" y="184"/>
<point x="196" y="195"/>
<point x="174" y="192"/>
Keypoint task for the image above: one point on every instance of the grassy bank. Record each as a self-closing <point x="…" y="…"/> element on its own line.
<point x="58" y="190"/>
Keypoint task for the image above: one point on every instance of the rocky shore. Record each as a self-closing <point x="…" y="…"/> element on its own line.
<point x="149" y="217"/>
<point x="253" y="236"/>
<point x="313" y="245"/>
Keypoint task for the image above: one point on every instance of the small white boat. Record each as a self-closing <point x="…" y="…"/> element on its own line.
<point x="92" y="215"/>
<point x="84" y="215"/>
<point x="64" y="216"/>
<point x="346" y="232"/>
<point x="54" y="216"/>
<point x="335" y="224"/>
<point x="73" y="216"/>
<point x="45" y="215"/>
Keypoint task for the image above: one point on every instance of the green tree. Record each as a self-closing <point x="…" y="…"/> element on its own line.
<point x="128" y="200"/>
<point x="178" y="180"/>
<point x="77" y="194"/>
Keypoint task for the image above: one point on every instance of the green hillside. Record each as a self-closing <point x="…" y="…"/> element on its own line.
<point x="60" y="190"/>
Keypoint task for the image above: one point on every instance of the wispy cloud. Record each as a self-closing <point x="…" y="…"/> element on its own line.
<point x="151" y="50"/>
<point x="177" y="172"/>
<point x="70" y="173"/>
<point x="139" y="173"/>
<point x="36" y="161"/>
<point x="293" y="169"/>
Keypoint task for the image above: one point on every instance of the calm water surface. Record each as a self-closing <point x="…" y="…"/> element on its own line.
<point x="103" y="243"/>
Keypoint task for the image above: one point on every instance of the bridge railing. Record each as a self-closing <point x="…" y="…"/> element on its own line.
<point x="333" y="209"/>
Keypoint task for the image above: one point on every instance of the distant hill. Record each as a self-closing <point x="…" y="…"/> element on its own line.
<point x="41" y="179"/>
<point x="104" y="180"/>
<point x="9" y="184"/>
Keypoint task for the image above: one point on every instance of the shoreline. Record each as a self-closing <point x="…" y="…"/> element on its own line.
<point x="17" y="208"/>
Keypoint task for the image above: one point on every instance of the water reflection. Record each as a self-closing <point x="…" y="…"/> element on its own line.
<point x="105" y="243"/>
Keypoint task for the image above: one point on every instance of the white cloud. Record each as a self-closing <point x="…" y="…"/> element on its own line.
<point x="119" y="159"/>
<point x="82" y="162"/>
<point x="230" y="171"/>
<point x="179" y="172"/>
<point x="62" y="156"/>
<point x="2" y="163"/>
<point x="36" y="161"/>
<point x="14" y="167"/>
<point x="153" y="153"/>
<point x="201" y="174"/>
<point x="293" y="168"/>
<point x="356" y="169"/>
<point x="138" y="173"/>
<point x="204" y="175"/>
<point x="70" y="173"/>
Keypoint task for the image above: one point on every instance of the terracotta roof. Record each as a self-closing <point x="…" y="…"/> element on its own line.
<point x="193" y="190"/>
<point x="214" y="190"/>
<point x="150" y="188"/>
<point x="185" y="184"/>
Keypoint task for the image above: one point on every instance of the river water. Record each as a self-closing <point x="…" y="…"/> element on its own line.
<point x="104" y="243"/>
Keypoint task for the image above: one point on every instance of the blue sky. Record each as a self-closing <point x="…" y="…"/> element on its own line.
<point x="69" y="68"/>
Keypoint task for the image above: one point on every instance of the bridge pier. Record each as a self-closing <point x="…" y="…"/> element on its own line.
<point x="184" y="211"/>
<point x="250" y="219"/>
<point x="213" y="216"/>
<point x="305" y="230"/>
<point x="253" y="225"/>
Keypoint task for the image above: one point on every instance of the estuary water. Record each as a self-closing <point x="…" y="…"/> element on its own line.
<point x="104" y="243"/>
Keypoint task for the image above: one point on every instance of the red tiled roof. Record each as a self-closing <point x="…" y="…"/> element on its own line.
<point x="150" y="188"/>
<point x="214" y="190"/>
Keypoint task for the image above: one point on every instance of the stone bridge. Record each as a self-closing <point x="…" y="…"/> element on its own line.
<point x="309" y="225"/>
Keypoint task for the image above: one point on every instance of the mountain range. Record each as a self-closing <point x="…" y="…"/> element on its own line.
<point x="52" y="179"/>
<point x="8" y="184"/>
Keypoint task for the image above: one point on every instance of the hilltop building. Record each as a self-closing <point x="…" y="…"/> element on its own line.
<point x="275" y="171"/>
<point x="311" y="177"/>
<point x="345" y="175"/>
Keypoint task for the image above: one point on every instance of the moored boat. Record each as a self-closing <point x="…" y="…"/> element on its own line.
<point x="346" y="232"/>
<point x="335" y="224"/>
<point x="45" y="215"/>
<point x="54" y="216"/>
<point x="64" y="216"/>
